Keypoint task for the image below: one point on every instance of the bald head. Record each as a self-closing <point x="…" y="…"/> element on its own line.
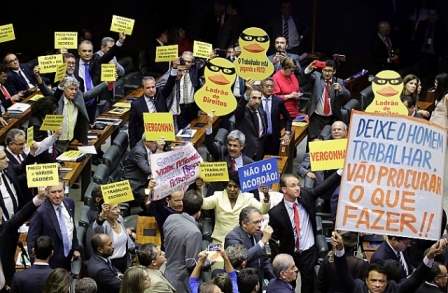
<point x="281" y="263"/>
<point x="339" y="130"/>
<point x="384" y="28"/>
<point x="175" y="200"/>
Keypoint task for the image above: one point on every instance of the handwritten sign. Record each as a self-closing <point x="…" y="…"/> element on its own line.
<point x="61" y="69"/>
<point x="7" y="33"/>
<point x="327" y="154"/>
<point x="174" y="170"/>
<point x="202" y="49"/>
<point x="29" y="136"/>
<point x="159" y="125"/>
<point x="263" y="172"/>
<point x="393" y="176"/>
<point x="49" y="63"/>
<point x="108" y="72"/>
<point x="166" y="53"/>
<point x="117" y="192"/>
<point x="42" y="175"/>
<point x="52" y="122"/>
<point x="122" y="24"/>
<point x="68" y="40"/>
<point x="214" y="172"/>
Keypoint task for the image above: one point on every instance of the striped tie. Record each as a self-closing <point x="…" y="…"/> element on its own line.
<point x="403" y="264"/>
<point x="286" y="29"/>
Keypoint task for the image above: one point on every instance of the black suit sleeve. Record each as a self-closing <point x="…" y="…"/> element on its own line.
<point x="133" y="117"/>
<point x="168" y="88"/>
<point x="329" y="184"/>
<point x="108" y="280"/>
<point x="286" y="115"/>
<point x="275" y="224"/>
<point x="344" y="275"/>
<point x="5" y="102"/>
<point x="240" y="109"/>
<point x="213" y="148"/>
<point x="17" y="220"/>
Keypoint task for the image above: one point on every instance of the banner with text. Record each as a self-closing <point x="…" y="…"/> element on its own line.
<point x="61" y="69"/>
<point x="117" y="192"/>
<point x="174" y="170"/>
<point x="42" y="175"/>
<point x="159" y="125"/>
<point x="29" y="136"/>
<point x="68" y="40"/>
<point x="202" y="49"/>
<point x="214" y="172"/>
<point x="393" y="176"/>
<point x="327" y="154"/>
<point x="263" y="172"/>
<point x="167" y="53"/>
<point x="7" y="33"/>
<point x="108" y="72"/>
<point x="52" y="122"/>
<point x="49" y="63"/>
<point x="122" y="24"/>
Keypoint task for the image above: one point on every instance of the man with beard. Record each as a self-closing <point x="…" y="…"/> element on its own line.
<point x="281" y="44"/>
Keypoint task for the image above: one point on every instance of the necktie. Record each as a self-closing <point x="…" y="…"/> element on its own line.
<point x="70" y="125"/>
<point x="64" y="232"/>
<point x="5" y="92"/>
<point x="388" y="43"/>
<point x="232" y="165"/>
<point x="109" y="263"/>
<point x="185" y="87"/>
<point x="88" y="78"/>
<point x="327" y="98"/>
<point x="297" y="221"/>
<point x="256" y="123"/>
<point x="286" y="28"/>
<point x="268" y="113"/>
<point x="403" y="264"/>
<point x="11" y="194"/>
<point x="22" y="77"/>
<point x="19" y="157"/>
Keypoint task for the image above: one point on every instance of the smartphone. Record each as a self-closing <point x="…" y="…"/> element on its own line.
<point x="214" y="247"/>
<point x="221" y="53"/>
<point x="320" y="64"/>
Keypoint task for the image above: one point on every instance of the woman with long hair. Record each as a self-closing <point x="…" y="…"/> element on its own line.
<point x="177" y="36"/>
<point x="58" y="281"/>
<point x="135" y="280"/>
<point x="410" y="86"/>
<point x="440" y="113"/>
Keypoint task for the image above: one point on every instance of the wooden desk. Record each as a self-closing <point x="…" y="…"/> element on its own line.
<point x="428" y="106"/>
<point x="124" y="116"/>
<point x="299" y="134"/>
<point x="12" y="123"/>
<point x="281" y="163"/>
<point x="25" y="116"/>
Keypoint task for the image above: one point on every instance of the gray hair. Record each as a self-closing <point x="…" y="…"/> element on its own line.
<point x="105" y="40"/>
<point x="237" y="135"/>
<point x="86" y="285"/>
<point x="11" y="135"/>
<point x="237" y="254"/>
<point x="69" y="81"/>
<point x="187" y="53"/>
<point x="247" y="212"/>
<point x="281" y="263"/>
<point x="146" y="78"/>
<point x="85" y="42"/>
<point x="343" y="125"/>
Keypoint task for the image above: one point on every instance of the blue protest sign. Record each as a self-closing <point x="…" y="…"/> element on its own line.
<point x="259" y="173"/>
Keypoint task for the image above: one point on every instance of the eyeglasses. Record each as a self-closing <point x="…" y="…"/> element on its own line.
<point x="19" y="144"/>
<point x="327" y="70"/>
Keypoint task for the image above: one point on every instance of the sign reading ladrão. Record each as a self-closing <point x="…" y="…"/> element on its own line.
<point x="263" y="172"/>
<point x="393" y="176"/>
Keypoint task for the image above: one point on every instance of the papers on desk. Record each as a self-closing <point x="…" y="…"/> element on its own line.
<point x="122" y="105"/>
<point x="65" y="169"/>
<point x="70" y="156"/>
<point x="186" y="133"/>
<point x="36" y="97"/>
<point x="300" y="124"/>
<point x="108" y="121"/>
<point x="90" y="149"/>
<point x="17" y="109"/>
<point x="119" y="111"/>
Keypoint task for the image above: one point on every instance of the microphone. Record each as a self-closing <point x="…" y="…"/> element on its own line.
<point x="24" y="253"/>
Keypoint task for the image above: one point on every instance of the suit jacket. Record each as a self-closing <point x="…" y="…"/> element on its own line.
<point x="318" y="83"/>
<point x="105" y="278"/>
<point x="380" y="53"/>
<point x="18" y="170"/>
<point x="161" y="212"/>
<point x="31" y="280"/>
<point x="183" y="239"/>
<point x="136" y="167"/>
<point x="280" y="222"/>
<point x="356" y="285"/>
<point x="153" y="66"/>
<point x="279" y="286"/>
<point x="230" y="31"/>
<point x="241" y="84"/>
<point x="256" y="257"/>
<point x="158" y="283"/>
<point x="6" y="103"/>
<point x="14" y="84"/>
<point x="244" y="122"/>
<point x="40" y="135"/>
<point x="220" y="153"/>
<point x="384" y="252"/>
<point x="274" y="28"/>
<point x="139" y="106"/>
<point x="278" y="65"/>
<point x="425" y="288"/>
<point x="305" y="167"/>
<point x="45" y="222"/>
<point x="278" y="108"/>
<point x="439" y="38"/>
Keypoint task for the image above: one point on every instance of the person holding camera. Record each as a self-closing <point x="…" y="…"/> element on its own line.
<point x="384" y="55"/>
<point x="281" y="44"/>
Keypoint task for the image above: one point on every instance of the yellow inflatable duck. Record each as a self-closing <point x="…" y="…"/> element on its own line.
<point x="253" y="62"/>
<point x="387" y="86"/>
<point x="216" y="94"/>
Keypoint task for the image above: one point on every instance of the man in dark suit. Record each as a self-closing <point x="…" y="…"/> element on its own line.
<point x="409" y="102"/>
<point x="247" y="281"/>
<point x="6" y="99"/>
<point x="8" y="230"/>
<point x="381" y="48"/>
<point x="395" y="248"/>
<point x="436" y="280"/>
<point x="20" y="77"/>
<point x="251" y="120"/>
<point x="249" y="234"/>
<point x="152" y="101"/>
<point x="274" y="107"/>
<point x="294" y="224"/>
<point x="324" y="106"/>
<point x="55" y="218"/>
<point x="281" y="45"/>
<point x="100" y="268"/>
<point x="286" y="274"/>
<point x="157" y="68"/>
<point x="213" y="23"/>
<point x="33" y="279"/>
<point x="233" y="26"/>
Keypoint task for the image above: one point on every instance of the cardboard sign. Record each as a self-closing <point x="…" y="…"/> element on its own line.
<point x="7" y="33"/>
<point x="263" y="172"/>
<point x="49" y="63"/>
<point x="216" y="94"/>
<point x="167" y="53"/>
<point x="174" y="170"/>
<point x="202" y="49"/>
<point x="108" y="72"/>
<point x="387" y="86"/>
<point x="68" y="40"/>
<point x="52" y="122"/>
<point x="214" y="172"/>
<point x="42" y="175"/>
<point x="29" y="136"/>
<point x="253" y="62"/>
<point x="327" y="154"/>
<point x="159" y="125"/>
<point x="61" y="70"/>
<point x="117" y="192"/>
<point x="393" y="176"/>
<point x="122" y="24"/>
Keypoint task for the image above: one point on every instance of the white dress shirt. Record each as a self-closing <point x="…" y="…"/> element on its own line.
<point x="306" y="237"/>
<point x="68" y="222"/>
<point x="65" y="122"/>
<point x="20" y="72"/>
<point x="190" y="98"/>
<point x="7" y="196"/>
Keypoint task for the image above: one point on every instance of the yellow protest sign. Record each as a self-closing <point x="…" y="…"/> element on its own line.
<point x="387" y="86"/>
<point x="253" y="62"/>
<point x="122" y="24"/>
<point x="29" y="136"/>
<point x="42" y="175"/>
<point x="327" y="154"/>
<point x="68" y="40"/>
<point x="52" y="122"/>
<point x="36" y="97"/>
<point x="159" y="125"/>
<point x="108" y="72"/>
<point x="202" y="50"/>
<point x="214" y="172"/>
<point x="216" y="94"/>
<point x="49" y="63"/>
<point x="61" y="69"/>
<point x="117" y="192"/>
<point x="166" y="53"/>
<point x="7" y="33"/>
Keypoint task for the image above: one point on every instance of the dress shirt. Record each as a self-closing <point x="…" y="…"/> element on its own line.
<point x="238" y="162"/>
<point x="236" y="88"/>
<point x="293" y="36"/>
<point x="320" y="105"/>
<point x="396" y="252"/>
<point x="306" y="237"/>
<point x="260" y="122"/>
<point x="20" y="72"/>
<point x="7" y="196"/>
<point x="68" y="222"/>
<point x="17" y="156"/>
<point x="66" y="122"/>
<point x="46" y="144"/>
<point x="190" y="98"/>
<point x="150" y="103"/>
<point x="82" y="73"/>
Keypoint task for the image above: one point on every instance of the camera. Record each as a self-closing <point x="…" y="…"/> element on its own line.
<point x="320" y="64"/>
